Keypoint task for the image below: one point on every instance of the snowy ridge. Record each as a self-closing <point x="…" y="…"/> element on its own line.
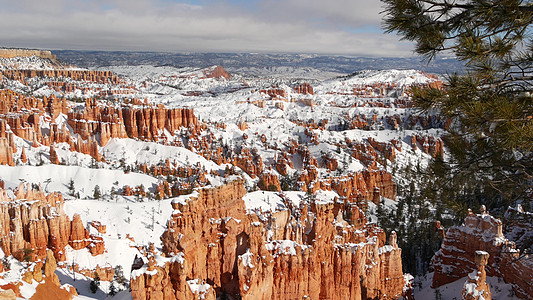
<point x="32" y="63"/>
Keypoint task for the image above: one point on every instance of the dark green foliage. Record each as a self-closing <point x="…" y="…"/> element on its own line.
<point x="71" y="188"/>
<point x="491" y="104"/>
<point x="272" y="188"/>
<point x="112" y="290"/>
<point x="95" y="283"/>
<point x="97" y="194"/>
<point x="27" y="254"/>
<point x="289" y="182"/>
<point x="119" y="276"/>
<point x="430" y="194"/>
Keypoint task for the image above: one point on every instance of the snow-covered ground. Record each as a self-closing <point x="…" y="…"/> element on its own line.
<point x="452" y="291"/>
<point x="219" y="100"/>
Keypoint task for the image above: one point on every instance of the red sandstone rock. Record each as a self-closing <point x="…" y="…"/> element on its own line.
<point x="23" y="157"/>
<point x="330" y="162"/>
<point x="242" y="125"/>
<point x="217" y="72"/>
<point x="82" y="75"/>
<point x="41" y="224"/>
<point x="269" y="182"/>
<point x="53" y="155"/>
<point x="98" y="226"/>
<point x="275" y="93"/>
<point x="144" y="123"/>
<point x="211" y="239"/>
<point x="6" y="153"/>
<point x="481" y="232"/>
<point x="476" y="287"/>
<point x="304" y="88"/>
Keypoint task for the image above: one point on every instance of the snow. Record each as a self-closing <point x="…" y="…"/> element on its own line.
<point x="264" y="201"/>
<point x="85" y="179"/>
<point x="247" y="259"/>
<point x="200" y="289"/>
<point x="132" y="151"/>
<point x="218" y="101"/>
<point x="121" y="218"/>
<point x="325" y="197"/>
<point x="422" y="288"/>
<point x="385" y="249"/>
<point x="30" y="63"/>
<point x="284" y="247"/>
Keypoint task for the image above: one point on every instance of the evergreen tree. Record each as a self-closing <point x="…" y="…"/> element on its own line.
<point x="71" y="188"/>
<point x="119" y="276"/>
<point x="491" y="103"/>
<point x="97" y="194"/>
<point x="95" y="283"/>
<point x="112" y="289"/>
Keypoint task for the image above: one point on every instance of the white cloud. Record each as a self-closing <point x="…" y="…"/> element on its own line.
<point x="169" y="26"/>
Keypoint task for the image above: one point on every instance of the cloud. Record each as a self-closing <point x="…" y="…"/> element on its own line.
<point x="309" y="26"/>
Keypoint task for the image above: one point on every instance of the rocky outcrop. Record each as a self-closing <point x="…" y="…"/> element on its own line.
<point x="142" y="122"/>
<point x="12" y="53"/>
<point x="6" y="153"/>
<point x="430" y="145"/>
<point x="212" y="248"/>
<point x="518" y="227"/>
<point x="456" y="258"/>
<point x="53" y="155"/>
<point x="49" y="286"/>
<point x="304" y="88"/>
<point x="81" y="75"/>
<point x="356" y="187"/>
<point x="35" y="221"/>
<point x="269" y="182"/>
<point x="217" y="72"/>
<point x="275" y="93"/>
<point x="476" y="287"/>
<point x="249" y="161"/>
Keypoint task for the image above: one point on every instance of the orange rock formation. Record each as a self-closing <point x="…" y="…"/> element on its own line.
<point x="212" y="247"/>
<point x="41" y="224"/>
<point x="456" y="258"/>
<point x="476" y="287"/>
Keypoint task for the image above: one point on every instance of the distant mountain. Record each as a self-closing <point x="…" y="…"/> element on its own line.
<point x="254" y="63"/>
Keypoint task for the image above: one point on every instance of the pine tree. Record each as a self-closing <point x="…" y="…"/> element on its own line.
<point x="71" y="188"/>
<point x="491" y="103"/>
<point x="95" y="283"/>
<point x="97" y="194"/>
<point x="112" y="289"/>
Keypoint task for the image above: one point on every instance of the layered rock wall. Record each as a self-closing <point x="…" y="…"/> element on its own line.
<point x="143" y="122"/>
<point x="12" y="53"/>
<point x="307" y="251"/>
<point x="456" y="258"/>
<point x="35" y="221"/>
<point x="79" y="75"/>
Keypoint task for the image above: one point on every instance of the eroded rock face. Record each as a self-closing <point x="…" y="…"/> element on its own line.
<point x="84" y="75"/>
<point x="456" y="258"/>
<point x="34" y="228"/>
<point x="92" y="125"/>
<point x="304" y="88"/>
<point x="37" y="222"/>
<point x="217" y="72"/>
<point x="6" y="153"/>
<point x="476" y="287"/>
<point x="269" y="182"/>
<point x="144" y="122"/>
<point x="212" y="247"/>
<point x="11" y="53"/>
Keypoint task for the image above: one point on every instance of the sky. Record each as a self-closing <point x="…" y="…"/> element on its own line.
<point x="344" y="27"/>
